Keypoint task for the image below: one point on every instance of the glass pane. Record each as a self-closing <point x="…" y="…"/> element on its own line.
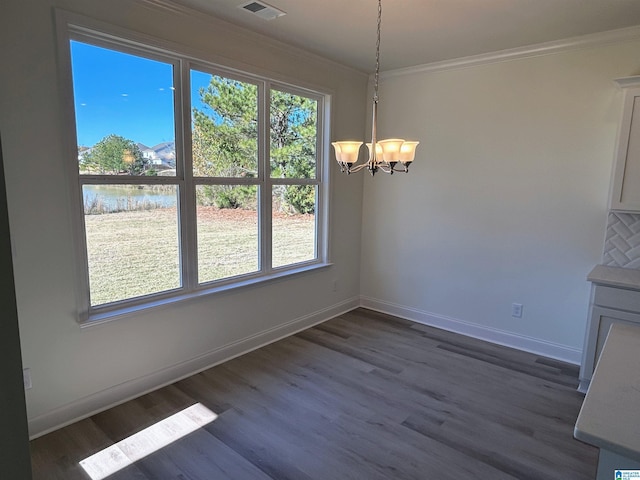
<point x="294" y="224"/>
<point x="132" y="240"/>
<point x="124" y="112"/>
<point x="227" y="231"/>
<point x="294" y="130"/>
<point x="224" y="124"/>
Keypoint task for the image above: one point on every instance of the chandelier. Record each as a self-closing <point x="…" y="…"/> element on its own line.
<point x="384" y="155"/>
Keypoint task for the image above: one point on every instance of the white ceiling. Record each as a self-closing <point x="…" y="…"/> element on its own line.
<point x="417" y="32"/>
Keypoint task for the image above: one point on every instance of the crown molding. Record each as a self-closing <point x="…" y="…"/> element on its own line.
<point x="627" y="82"/>
<point x="536" y="50"/>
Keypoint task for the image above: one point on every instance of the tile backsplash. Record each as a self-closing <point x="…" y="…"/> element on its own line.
<point x="622" y="243"/>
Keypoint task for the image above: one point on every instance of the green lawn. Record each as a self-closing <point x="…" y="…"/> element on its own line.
<point x="136" y="253"/>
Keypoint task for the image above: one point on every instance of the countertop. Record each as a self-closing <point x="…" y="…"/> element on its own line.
<point x="615" y="277"/>
<point x="610" y="414"/>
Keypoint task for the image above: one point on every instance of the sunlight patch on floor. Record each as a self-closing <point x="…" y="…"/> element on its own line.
<point x="144" y="443"/>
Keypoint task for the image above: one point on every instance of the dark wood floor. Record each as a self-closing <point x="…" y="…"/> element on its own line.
<point x="363" y="396"/>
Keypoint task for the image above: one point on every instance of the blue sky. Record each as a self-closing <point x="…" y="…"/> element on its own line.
<point x="126" y="95"/>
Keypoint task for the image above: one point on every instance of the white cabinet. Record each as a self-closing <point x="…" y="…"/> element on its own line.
<point x="615" y="298"/>
<point x="625" y="185"/>
<point x="608" y="418"/>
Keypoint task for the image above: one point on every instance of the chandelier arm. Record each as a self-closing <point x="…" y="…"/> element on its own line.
<point x="357" y="168"/>
<point x="384" y="168"/>
<point x="404" y="169"/>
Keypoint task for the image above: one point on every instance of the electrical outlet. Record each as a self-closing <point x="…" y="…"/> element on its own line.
<point x="335" y="285"/>
<point x="516" y="310"/>
<point x="26" y="377"/>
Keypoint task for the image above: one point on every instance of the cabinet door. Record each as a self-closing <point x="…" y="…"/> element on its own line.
<point x="605" y="317"/>
<point x="600" y="320"/>
<point x="625" y="188"/>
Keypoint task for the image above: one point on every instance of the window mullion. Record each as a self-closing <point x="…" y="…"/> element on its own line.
<point x="322" y="174"/>
<point x="265" y="220"/>
<point x="188" y="215"/>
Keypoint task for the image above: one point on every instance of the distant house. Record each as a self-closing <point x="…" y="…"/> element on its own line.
<point x="83" y="151"/>
<point x="162" y="156"/>
<point x="149" y="154"/>
<point x="166" y="151"/>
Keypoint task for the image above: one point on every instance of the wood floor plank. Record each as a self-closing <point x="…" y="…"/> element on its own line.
<point x="262" y="447"/>
<point x="365" y="395"/>
<point x="376" y="359"/>
<point x="131" y="417"/>
<point x="199" y="456"/>
<point x="57" y="456"/>
<point x="549" y="373"/>
<point x="509" y="450"/>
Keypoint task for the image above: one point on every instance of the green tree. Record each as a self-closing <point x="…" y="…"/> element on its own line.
<point x="225" y="142"/>
<point x="114" y="155"/>
<point x="293" y="129"/>
<point x="225" y="137"/>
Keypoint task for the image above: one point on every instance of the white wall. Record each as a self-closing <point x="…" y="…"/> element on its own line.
<point x="76" y="370"/>
<point x="507" y="199"/>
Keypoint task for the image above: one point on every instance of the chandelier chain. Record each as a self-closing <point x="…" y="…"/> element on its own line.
<point x="377" y="74"/>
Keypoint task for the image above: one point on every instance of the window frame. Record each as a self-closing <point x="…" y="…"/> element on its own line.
<point x="78" y="28"/>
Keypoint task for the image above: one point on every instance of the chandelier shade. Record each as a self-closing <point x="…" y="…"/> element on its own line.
<point x="347" y="152"/>
<point x="388" y="153"/>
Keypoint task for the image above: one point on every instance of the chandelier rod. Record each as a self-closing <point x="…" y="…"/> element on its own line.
<point x="373" y="155"/>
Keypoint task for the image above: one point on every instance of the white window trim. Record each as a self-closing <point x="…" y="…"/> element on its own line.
<point x="72" y="26"/>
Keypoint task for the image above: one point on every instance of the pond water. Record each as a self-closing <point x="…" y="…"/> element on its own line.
<point x="128" y="197"/>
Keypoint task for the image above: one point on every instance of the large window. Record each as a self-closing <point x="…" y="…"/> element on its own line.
<point x="192" y="178"/>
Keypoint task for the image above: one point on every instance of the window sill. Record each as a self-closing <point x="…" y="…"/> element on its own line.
<point x="105" y="316"/>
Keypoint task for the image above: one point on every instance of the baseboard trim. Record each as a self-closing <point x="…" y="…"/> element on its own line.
<point x="489" y="334"/>
<point x="118" y="394"/>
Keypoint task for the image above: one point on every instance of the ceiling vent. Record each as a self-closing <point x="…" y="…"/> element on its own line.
<point x="262" y="10"/>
